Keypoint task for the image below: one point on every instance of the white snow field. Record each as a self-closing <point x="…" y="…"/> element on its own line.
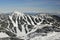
<point x="50" y="36"/>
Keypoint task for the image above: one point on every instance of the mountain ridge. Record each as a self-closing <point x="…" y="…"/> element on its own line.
<point x="16" y="22"/>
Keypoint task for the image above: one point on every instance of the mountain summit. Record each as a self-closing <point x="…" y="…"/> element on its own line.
<point x="17" y="13"/>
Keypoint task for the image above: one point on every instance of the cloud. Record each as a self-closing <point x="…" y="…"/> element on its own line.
<point x="36" y="10"/>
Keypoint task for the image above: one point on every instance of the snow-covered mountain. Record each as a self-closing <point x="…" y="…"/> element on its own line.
<point x="28" y="27"/>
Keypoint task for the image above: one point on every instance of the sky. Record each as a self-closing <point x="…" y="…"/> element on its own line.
<point x="51" y="6"/>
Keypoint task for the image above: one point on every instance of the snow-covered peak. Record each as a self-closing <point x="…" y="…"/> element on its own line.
<point x="17" y="13"/>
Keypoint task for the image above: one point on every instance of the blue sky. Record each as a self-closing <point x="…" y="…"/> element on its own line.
<point x="30" y="5"/>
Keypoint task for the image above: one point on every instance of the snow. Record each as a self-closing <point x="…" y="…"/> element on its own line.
<point x="50" y="36"/>
<point x="18" y="13"/>
<point x="2" y="35"/>
<point x="15" y="24"/>
<point x="23" y="35"/>
<point x="31" y="20"/>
